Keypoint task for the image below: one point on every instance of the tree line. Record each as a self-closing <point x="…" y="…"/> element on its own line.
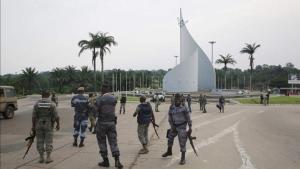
<point x="68" y="79"/>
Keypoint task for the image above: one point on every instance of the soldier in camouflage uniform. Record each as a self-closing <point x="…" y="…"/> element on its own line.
<point x="81" y="107"/>
<point x="204" y="102"/>
<point x="43" y="118"/>
<point x="106" y="127"/>
<point x="189" y="101"/>
<point x="157" y="102"/>
<point x="179" y="118"/>
<point x="201" y="101"/>
<point x="182" y="100"/>
<point x="172" y="99"/>
<point x="123" y="103"/>
<point x="145" y="116"/>
<point x="92" y="102"/>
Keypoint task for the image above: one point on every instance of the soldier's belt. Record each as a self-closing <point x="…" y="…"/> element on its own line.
<point x="180" y="124"/>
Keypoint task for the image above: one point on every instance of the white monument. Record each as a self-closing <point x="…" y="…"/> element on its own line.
<point x="195" y="71"/>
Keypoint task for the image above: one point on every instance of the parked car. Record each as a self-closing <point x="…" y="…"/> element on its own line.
<point x="161" y="97"/>
<point x="8" y="101"/>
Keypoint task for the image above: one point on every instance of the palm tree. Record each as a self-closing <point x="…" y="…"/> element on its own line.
<point x="250" y="49"/>
<point x="72" y="76"/>
<point x="104" y="42"/>
<point x="225" y="59"/>
<point x="84" y="76"/>
<point x="90" y="45"/>
<point x="59" y="77"/>
<point x="29" y="78"/>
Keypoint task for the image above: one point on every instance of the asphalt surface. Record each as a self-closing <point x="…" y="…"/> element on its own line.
<point x="244" y="137"/>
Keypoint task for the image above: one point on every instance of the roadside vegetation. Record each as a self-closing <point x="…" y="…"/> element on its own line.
<point x="273" y="100"/>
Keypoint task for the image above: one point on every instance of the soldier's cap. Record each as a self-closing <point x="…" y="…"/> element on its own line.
<point x="80" y="89"/>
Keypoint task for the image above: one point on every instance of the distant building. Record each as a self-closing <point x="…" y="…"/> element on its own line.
<point x="195" y="71"/>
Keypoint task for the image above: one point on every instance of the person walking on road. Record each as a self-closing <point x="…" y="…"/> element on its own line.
<point x="106" y="127"/>
<point x="145" y="116"/>
<point x="204" y="102"/>
<point x="268" y="97"/>
<point x="157" y="102"/>
<point x="179" y="118"/>
<point x="92" y="118"/>
<point x="43" y="118"/>
<point x="123" y="103"/>
<point x="182" y="100"/>
<point x="172" y="99"/>
<point x="81" y="108"/>
<point x="221" y="103"/>
<point x="189" y="101"/>
<point x="201" y="101"/>
<point x="261" y="98"/>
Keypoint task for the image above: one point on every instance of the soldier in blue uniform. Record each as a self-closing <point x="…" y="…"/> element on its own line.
<point x="81" y="107"/>
<point x="179" y="118"/>
<point x="106" y="127"/>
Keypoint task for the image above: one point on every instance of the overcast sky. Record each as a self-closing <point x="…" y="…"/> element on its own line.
<point x="44" y="33"/>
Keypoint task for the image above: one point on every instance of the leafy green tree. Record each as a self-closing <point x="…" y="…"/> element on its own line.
<point x="84" y="77"/>
<point x="72" y="76"/>
<point x="104" y="42"/>
<point x="225" y="59"/>
<point x="59" y="77"/>
<point x="250" y="49"/>
<point x="29" y="78"/>
<point x="91" y="44"/>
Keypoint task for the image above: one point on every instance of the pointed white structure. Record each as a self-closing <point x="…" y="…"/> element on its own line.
<point x="195" y="71"/>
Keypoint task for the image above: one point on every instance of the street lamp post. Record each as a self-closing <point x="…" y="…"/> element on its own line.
<point x="176" y="60"/>
<point x="212" y="51"/>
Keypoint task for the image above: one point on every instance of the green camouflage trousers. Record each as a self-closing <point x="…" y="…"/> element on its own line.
<point x="143" y="133"/>
<point x="44" y="137"/>
<point x="92" y="119"/>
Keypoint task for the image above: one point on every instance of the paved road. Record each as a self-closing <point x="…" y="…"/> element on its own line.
<point x="244" y="137"/>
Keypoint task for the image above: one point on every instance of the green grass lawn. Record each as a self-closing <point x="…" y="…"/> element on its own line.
<point x="273" y="100"/>
<point x="133" y="99"/>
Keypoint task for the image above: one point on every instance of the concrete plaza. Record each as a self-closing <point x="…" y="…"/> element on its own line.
<point x="245" y="136"/>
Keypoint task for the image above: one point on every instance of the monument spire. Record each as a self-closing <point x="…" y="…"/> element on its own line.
<point x="181" y="22"/>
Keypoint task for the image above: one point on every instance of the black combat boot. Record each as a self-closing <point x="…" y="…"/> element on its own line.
<point x="75" y="142"/>
<point x="118" y="163"/>
<point x="91" y="128"/>
<point x="49" y="159"/>
<point x="104" y="163"/>
<point x="168" y="153"/>
<point x="94" y="132"/>
<point x="81" y="143"/>
<point x="182" y="160"/>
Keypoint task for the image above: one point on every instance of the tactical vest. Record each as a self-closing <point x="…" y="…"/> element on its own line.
<point x="44" y="111"/>
<point x="106" y="108"/>
<point x="178" y="115"/>
<point x="145" y="114"/>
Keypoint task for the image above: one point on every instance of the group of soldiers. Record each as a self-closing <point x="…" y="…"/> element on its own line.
<point x="202" y="100"/>
<point x="102" y="108"/>
<point x="265" y="98"/>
